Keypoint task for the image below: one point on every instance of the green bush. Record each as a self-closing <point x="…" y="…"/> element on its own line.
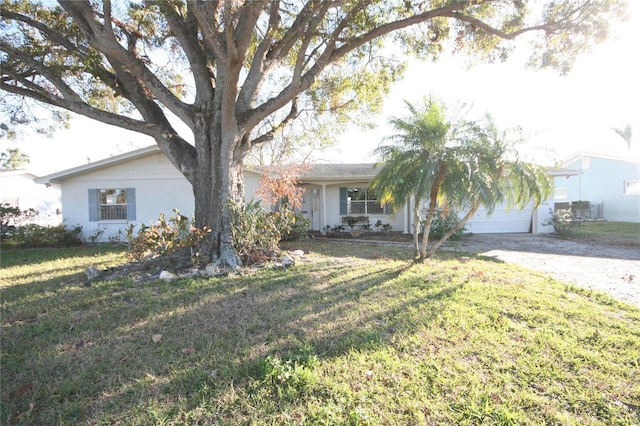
<point x="33" y="235"/>
<point x="298" y="228"/>
<point x="564" y="222"/>
<point x="12" y="216"/>
<point x="165" y="237"/>
<point x="443" y="222"/>
<point x="257" y="233"/>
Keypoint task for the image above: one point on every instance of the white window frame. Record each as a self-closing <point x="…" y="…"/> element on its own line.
<point x="631" y="187"/>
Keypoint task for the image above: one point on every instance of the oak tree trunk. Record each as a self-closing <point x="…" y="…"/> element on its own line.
<point x="218" y="181"/>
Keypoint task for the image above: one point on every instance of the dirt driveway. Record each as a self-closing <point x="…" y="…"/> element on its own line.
<point x="611" y="269"/>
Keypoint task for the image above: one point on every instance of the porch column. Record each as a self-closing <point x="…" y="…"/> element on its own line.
<point x="406" y="217"/>
<point x="323" y="207"/>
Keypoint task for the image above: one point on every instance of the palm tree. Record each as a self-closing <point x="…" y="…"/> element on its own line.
<point x="458" y="164"/>
<point x="625" y="134"/>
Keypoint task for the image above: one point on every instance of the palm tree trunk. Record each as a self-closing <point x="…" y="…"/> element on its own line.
<point x="453" y="230"/>
<point x="433" y="203"/>
<point x="416" y="227"/>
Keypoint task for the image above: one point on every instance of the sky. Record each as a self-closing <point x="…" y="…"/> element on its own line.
<point x="558" y="114"/>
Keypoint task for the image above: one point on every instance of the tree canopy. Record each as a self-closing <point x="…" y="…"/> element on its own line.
<point x="13" y="159"/>
<point x="452" y="163"/>
<point x="235" y="73"/>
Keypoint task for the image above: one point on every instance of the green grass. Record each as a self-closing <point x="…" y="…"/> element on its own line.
<point x="353" y="334"/>
<point x="618" y="233"/>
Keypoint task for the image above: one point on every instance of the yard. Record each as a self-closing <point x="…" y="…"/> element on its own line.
<point x="353" y="334"/>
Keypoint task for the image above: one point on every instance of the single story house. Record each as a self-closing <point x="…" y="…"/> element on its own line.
<point x="605" y="187"/>
<point x="106" y="196"/>
<point x="18" y="189"/>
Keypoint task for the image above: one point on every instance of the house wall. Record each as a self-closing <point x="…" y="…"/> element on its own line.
<point x="396" y="220"/>
<point x="601" y="181"/>
<point x="19" y="189"/>
<point x="159" y="188"/>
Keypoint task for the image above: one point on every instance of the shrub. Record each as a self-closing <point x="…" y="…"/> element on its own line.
<point x="564" y="222"/>
<point x="298" y="228"/>
<point x="33" y="235"/>
<point x="165" y="237"/>
<point x="257" y="233"/>
<point x="11" y="216"/>
<point x="443" y="222"/>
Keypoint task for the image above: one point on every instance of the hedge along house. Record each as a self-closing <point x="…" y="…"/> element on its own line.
<point x="107" y="196"/>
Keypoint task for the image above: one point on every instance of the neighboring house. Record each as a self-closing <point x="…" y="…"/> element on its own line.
<point x="17" y="188"/>
<point x="607" y="187"/>
<point x="106" y="196"/>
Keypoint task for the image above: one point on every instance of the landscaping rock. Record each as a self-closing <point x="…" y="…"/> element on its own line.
<point x="168" y="276"/>
<point x="92" y="272"/>
<point x="297" y="253"/>
<point x="287" y="261"/>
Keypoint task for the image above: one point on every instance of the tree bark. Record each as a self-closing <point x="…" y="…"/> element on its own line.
<point x="218" y="181"/>
<point x="416" y="227"/>
<point x="433" y="203"/>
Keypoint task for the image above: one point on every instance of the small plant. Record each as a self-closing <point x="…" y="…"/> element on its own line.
<point x="327" y="229"/>
<point x="337" y="228"/>
<point x="563" y="221"/>
<point x="289" y="377"/>
<point x="164" y="237"/>
<point x="443" y="222"/>
<point x="366" y="226"/>
<point x="386" y="227"/>
<point x="257" y="233"/>
<point x="378" y="224"/>
<point x="96" y="235"/>
<point x="12" y="216"/>
<point x="33" y="235"/>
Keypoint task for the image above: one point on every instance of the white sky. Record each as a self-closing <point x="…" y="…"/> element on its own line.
<point x="560" y="115"/>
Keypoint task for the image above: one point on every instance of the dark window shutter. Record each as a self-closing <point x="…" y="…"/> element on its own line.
<point x="131" y="204"/>
<point x="343" y="201"/>
<point x="94" y="204"/>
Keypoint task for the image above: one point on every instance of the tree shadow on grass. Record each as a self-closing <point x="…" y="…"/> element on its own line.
<point x="115" y="352"/>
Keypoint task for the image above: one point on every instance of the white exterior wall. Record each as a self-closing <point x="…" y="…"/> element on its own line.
<point x="334" y="218"/>
<point x="601" y="181"/>
<point x="19" y="189"/>
<point x="160" y="188"/>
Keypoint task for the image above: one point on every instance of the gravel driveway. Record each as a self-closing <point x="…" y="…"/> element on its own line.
<point x="611" y="269"/>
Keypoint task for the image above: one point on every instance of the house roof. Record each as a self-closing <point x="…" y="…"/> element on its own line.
<point x="580" y="154"/>
<point x="97" y="165"/>
<point x="353" y="172"/>
<point x="326" y="172"/>
<point x="16" y="172"/>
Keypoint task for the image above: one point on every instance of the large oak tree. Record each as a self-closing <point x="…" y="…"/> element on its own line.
<point x="236" y="72"/>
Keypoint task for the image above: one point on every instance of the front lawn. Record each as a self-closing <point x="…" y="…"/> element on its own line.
<point x="353" y="334"/>
<point x="616" y="233"/>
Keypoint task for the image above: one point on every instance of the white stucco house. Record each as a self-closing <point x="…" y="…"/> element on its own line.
<point x="17" y="188"/>
<point x="106" y="196"/>
<point x="609" y="185"/>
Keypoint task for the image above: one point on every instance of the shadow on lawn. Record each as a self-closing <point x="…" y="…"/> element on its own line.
<point x="99" y="353"/>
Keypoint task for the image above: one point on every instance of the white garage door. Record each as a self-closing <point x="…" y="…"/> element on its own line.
<point x="501" y="221"/>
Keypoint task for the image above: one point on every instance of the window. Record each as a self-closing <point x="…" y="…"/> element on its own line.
<point x="632" y="187"/>
<point x="560" y="193"/>
<point x="359" y="201"/>
<point x="112" y="204"/>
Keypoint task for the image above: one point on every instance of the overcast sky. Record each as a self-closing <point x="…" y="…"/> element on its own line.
<point x="560" y="115"/>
